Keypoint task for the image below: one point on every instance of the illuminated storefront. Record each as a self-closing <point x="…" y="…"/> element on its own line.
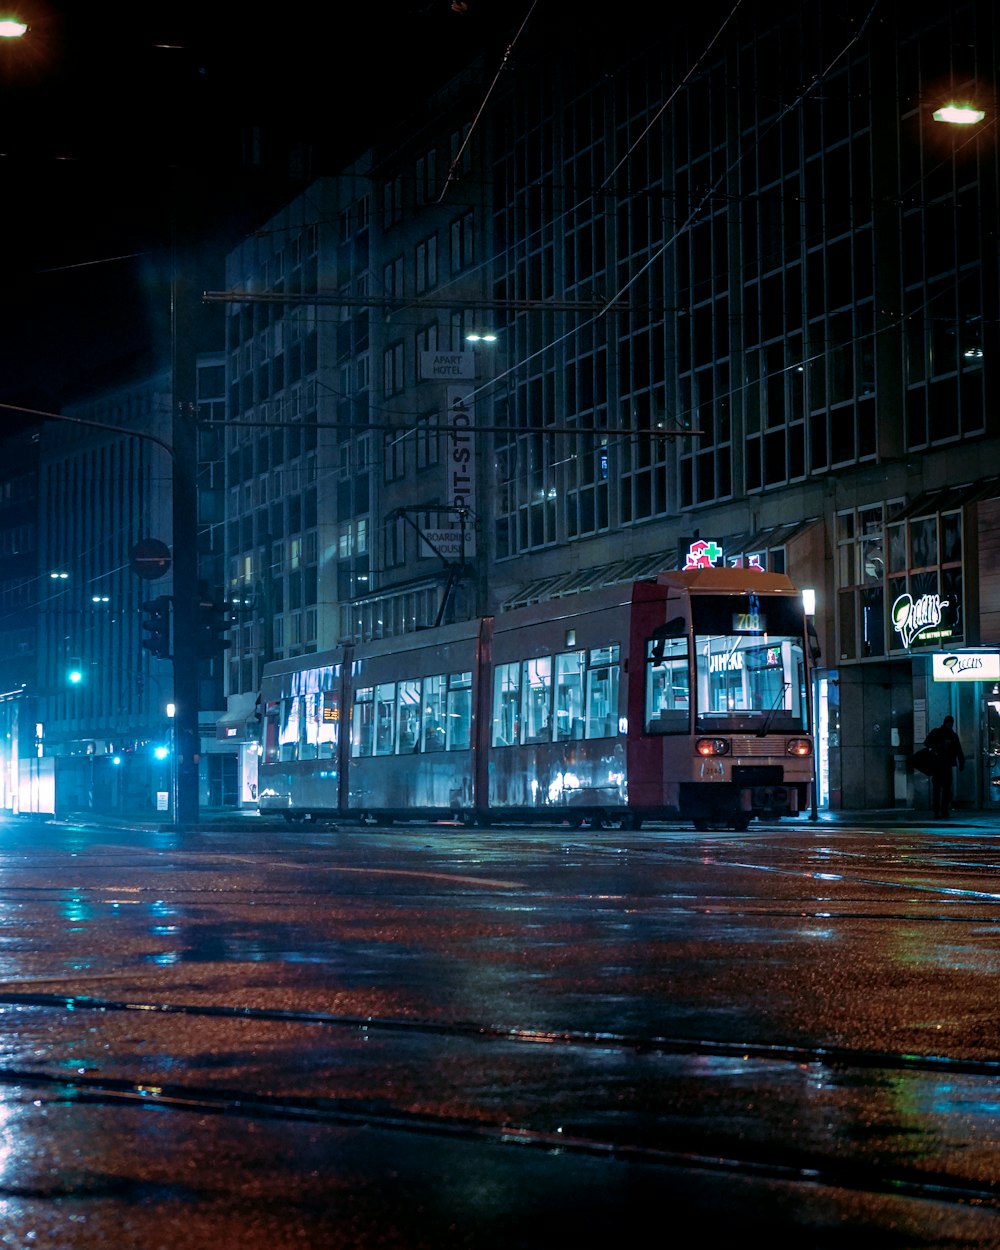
<point x="917" y="639"/>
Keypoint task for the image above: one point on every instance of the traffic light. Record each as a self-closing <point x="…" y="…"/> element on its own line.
<point x="74" y="673"/>
<point x="214" y="622"/>
<point x="157" y="626"/>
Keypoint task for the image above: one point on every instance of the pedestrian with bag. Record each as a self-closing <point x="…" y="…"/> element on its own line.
<point x="947" y="748"/>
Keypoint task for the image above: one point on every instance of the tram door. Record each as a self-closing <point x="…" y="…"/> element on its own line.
<point x="991" y="740"/>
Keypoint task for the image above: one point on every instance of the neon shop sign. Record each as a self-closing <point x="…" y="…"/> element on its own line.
<point x="708" y="554"/>
<point x="919" y="617"/>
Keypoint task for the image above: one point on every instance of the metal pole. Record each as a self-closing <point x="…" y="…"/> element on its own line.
<point x="813" y="810"/>
<point x="185" y="527"/>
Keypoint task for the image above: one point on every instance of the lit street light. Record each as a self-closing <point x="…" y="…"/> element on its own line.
<point x="959" y="114"/>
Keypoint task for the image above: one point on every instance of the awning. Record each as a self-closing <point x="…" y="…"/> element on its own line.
<point x="239" y="722"/>
<point x="588" y="579"/>
<point x="947" y="499"/>
<point x="764" y="540"/>
<point x="645" y="566"/>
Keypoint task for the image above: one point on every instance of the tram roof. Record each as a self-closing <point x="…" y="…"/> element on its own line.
<point x="729" y="581"/>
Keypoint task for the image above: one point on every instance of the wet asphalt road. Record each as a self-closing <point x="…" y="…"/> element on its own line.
<point x="442" y="1037"/>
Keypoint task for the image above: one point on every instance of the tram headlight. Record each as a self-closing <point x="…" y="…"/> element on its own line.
<point x="712" y="746"/>
<point x="798" y="746"/>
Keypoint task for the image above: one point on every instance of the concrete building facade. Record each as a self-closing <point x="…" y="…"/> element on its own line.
<point x="744" y="288"/>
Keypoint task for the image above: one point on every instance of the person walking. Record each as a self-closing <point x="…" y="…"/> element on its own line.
<point x="944" y="742"/>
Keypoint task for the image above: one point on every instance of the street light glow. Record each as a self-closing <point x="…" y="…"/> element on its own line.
<point x="959" y="114"/>
<point x="12" y="28"/>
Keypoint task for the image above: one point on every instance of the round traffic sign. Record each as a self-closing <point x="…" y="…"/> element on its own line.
<point x="150" y="558"/>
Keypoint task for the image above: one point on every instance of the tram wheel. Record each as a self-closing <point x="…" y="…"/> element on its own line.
<point x="741" y="823"/>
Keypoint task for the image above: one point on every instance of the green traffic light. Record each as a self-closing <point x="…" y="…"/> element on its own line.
<point x="75" y="676"/>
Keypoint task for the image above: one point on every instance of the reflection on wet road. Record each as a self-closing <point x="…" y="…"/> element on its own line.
<point x="213" y="1038"/>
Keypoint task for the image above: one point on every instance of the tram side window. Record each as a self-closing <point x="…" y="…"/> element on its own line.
<point x="668" y="686"/>
<point x="434" y="713"/>
<point x="288" y="728"/>
<point x="569" y="696"/>
<point x="536" y="695"/>
<point x="408" y="714"/>
<point x="385" y="717"/>
<point x="459" y="711"/>
<point x="506" y="704"/>
<point x="602" y="692"/>
<point x="271" y="733"/>
<point x="329" y="725"/>
<point x="309" y="729"/>
<point x="363" y="722"/>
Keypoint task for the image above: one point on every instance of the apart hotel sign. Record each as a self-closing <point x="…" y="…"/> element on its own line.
<point x="447" y="365"/>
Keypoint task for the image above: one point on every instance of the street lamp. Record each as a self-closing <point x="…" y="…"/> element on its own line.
<point x="959" y="114"/>
<point x="809" y="608"/>
<point x="12" y="27"/>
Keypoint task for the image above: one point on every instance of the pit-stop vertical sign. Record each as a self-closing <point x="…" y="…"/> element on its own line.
<point x="462" y="461"/>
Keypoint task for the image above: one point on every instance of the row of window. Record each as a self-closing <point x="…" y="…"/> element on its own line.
<point x="883" y="563"/>
<point x="425" y="260"/>
<point x="419" y="714"/>
<point x="427" y="180"/>
<point x="562" y="698"/>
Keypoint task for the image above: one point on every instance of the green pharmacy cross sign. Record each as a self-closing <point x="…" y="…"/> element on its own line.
<point x="703" y="554"/>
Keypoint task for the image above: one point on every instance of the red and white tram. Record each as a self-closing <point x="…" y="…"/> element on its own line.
<point x="680" y="698"/>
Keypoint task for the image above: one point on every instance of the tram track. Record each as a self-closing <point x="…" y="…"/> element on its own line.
<point x="774" y="1162"/>
<point x="840" y="1057"/>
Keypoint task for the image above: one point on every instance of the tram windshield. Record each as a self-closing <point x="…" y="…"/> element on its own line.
<point x="749" y="665"/>
<point x="741" y="669"/>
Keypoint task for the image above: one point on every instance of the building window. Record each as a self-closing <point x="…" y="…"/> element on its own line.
<point x="459" y="325"/>
<point x="394" y="459"/>
<point x="462" y="234"/>
<point x="395" y="543"/>
<point x="892" y="571"/>
<point x="426" y="264"/>
<point x="461" y="149"/>
<point x="392" y="278"/>
<point x="392" y="203"/>
<point x="925" y="583"/>
<point x="428" y="441"/>
<point x="426" y="177"/>
<point x="392" y="366"/>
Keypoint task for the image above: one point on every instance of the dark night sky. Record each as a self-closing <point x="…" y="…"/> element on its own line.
<point x="104" y="108"/>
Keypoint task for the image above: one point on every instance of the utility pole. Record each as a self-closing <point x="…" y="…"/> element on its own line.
<point x="187" y="742"/>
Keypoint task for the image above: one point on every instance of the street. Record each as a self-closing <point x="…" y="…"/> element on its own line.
<point x="434" y="1036"/>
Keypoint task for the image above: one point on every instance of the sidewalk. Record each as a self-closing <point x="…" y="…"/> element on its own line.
<point x="907" y="816"/>
<point x="253" y="821"/>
